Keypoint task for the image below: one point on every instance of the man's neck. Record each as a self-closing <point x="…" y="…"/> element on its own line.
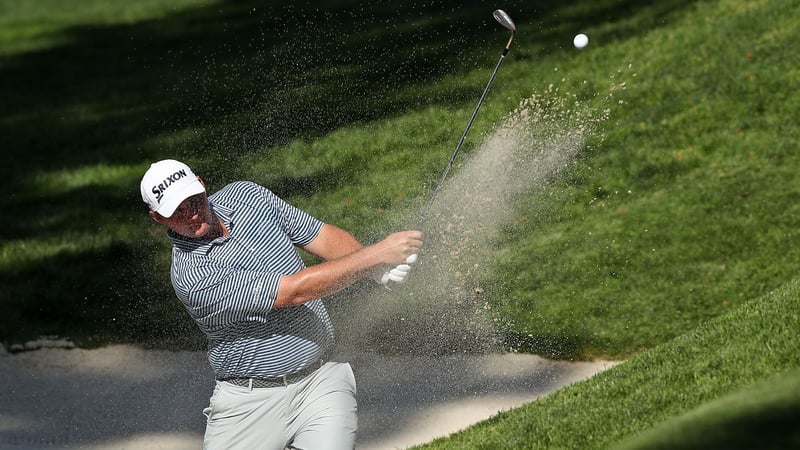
<point x="218" y="228"/>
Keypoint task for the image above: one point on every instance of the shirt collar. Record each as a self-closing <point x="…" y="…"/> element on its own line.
<point x="225" y="213"/>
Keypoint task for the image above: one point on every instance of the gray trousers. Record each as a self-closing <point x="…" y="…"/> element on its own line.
<point x="318" y="412"/>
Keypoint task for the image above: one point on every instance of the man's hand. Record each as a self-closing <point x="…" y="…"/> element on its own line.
<point x="397" y="274"/>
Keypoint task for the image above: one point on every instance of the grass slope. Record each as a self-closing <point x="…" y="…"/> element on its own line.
<point x="760" y="416"/>
<point x="720" y="374"/>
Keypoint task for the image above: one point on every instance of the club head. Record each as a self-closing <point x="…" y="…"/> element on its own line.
<point x="503" y="18"/>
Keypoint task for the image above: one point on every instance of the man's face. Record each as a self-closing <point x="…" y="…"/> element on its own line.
<point x="192" y="218"/>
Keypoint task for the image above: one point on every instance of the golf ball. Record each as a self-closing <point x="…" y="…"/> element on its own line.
<point x="580" y="40"/>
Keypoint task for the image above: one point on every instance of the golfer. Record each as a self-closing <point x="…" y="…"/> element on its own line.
<point x="237" y="272"/>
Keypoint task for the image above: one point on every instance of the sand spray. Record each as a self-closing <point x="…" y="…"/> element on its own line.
<point x="443" y="308"/>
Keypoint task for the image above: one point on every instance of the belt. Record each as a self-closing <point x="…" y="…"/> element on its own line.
<point x="271" y="382"/>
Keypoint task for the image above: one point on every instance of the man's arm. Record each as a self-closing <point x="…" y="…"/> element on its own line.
<point x="345" y="261"/>
<point x="332" y="242"/>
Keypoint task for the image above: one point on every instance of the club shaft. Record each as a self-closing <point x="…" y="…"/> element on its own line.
<point x="429" y="204"/>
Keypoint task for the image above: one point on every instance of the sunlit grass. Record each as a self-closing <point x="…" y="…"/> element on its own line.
<point x="99" y="176"/>
<point x="23" y="255"/>
<point x="37" y="25"/>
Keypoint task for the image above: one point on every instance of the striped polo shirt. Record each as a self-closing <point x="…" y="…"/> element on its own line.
<point x="229" y="286"/>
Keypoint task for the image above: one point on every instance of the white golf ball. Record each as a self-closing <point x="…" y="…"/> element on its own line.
<point x="580" y="40"/>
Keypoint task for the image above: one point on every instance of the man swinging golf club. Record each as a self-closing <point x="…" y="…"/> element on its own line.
<point x="236" y="270"/>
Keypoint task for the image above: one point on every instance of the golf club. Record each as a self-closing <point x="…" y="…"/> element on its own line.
<point x="503" y="18"/>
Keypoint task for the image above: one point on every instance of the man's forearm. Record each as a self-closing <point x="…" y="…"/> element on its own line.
<point x="346" y="260"/>
<point x="326" y="278"/>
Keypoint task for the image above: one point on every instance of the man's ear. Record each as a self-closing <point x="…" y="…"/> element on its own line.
<point x="157" y="217"/>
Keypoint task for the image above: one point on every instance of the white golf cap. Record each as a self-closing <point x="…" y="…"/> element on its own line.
<point x="166" y="184"/>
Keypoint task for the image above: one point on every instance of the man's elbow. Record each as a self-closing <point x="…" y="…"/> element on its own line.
<point x="291" y="291"/>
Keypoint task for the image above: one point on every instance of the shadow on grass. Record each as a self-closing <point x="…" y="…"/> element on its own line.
<point x="210" y="85"/>
<point x="94" y="301"/>
<point x="561" y="347"/>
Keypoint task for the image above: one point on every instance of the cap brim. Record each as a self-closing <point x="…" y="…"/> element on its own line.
<point x="176" y="198"/>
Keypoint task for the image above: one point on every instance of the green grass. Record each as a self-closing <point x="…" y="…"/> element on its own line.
<point x="678" y="215"/>
<point x="668" y="242"/>
<point x="729" y="383"/>
<point x="759" y="416"/>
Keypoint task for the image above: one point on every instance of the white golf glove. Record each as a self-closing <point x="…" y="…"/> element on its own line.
<point x="397" y="274"/>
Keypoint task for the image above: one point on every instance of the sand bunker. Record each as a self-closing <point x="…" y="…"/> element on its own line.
<point x="124" y="397"/>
